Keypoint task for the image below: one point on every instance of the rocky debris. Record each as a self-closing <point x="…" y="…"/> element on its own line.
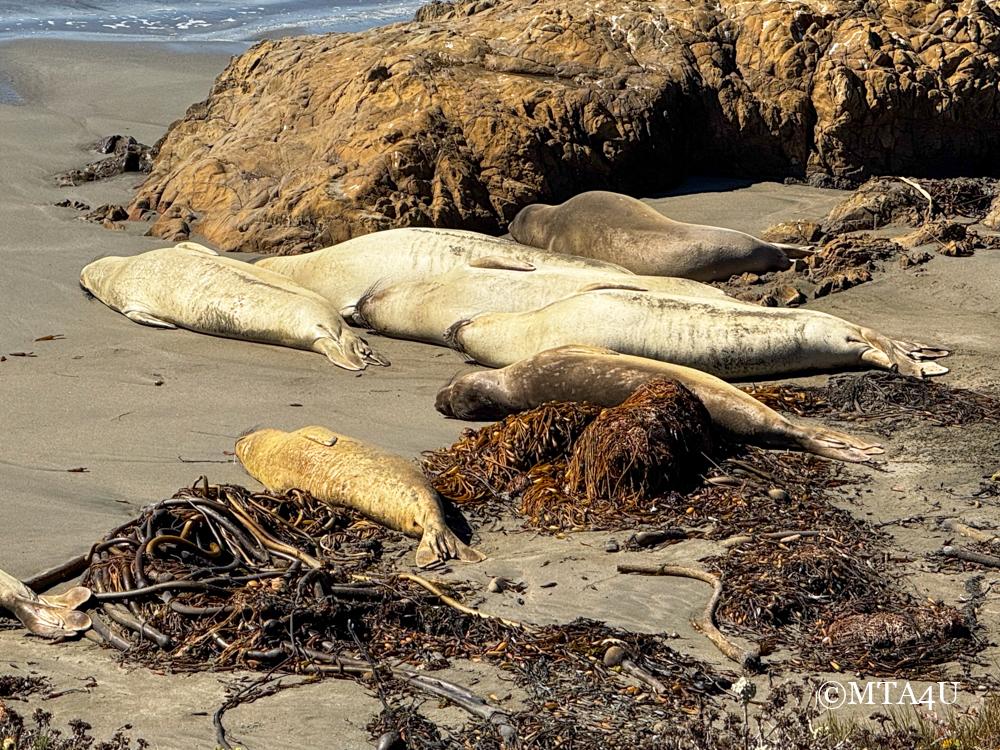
<point x="174" y="224"/>
<point x="75" y="204"/>
<point x="839" y="263"/>
<point x="127" y="155"/>
<point x="477" y="108"/>
<point x="109" y="216"/>
<point x="893" y="200"/>
<point x="794" y="232"/>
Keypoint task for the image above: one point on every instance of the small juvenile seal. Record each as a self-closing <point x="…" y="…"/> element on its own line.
<point x="606" y="378"/>
<point x="424" y="309"/>
<point x="724" y="338"/>
<point x="342" y="273"/>
<point x="623" y="230"/>
<point x="193" y="287"/>
<point x="343" y="471"/>
<point x="53" y="616"/>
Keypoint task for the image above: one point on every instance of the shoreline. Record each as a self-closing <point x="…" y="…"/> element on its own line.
<point x="92" y="400"/>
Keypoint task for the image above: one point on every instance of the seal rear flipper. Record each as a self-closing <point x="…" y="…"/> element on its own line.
<point x="146" y="319"/>
<point x="47" y="621"/>
<point x="839" y="445"/>
<point x="439" y="544"/>
<point x="795" y="251"/>
<point x="345" y="357"/>
<point x="904" y="357"/>
<point x="71" y="599"/>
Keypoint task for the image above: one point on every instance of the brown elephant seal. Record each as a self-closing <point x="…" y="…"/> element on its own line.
<point x="343" y="471"/>
<point x="623" y="230"/>
<point x="424" y="309"/>
<point x="344" y="272"/>
<point x="607" y="378"/>
<point x="727" y="339"/>
<point x="191" y="286"/>
<point x="52" y="616"/>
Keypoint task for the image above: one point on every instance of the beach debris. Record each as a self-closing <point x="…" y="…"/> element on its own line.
<point x="884" y="398"/>
<point x="961" y="553"/>
<point x="126" y="155"/>
<point x="51" y="337"/>
<point x="75" y="204"/>
<point x="108" y="215"/>
<point x="794" y="232"/>
<point x="220" y="577"/>
<point x="748" y="658"/>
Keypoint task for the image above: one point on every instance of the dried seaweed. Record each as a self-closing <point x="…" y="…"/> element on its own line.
<point x="884" y="397"/>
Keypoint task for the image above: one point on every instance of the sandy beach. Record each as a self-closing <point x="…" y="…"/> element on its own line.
<point x="145" y="412"/>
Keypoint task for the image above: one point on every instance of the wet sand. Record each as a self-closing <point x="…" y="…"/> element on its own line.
<point x="147" y="411"/>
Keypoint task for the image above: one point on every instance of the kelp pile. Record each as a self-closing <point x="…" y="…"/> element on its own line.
<point x="833" y="600"/>
<point x="573" y="465"/>
<point x="219" y="577"/>
<point x="882" y="397"/>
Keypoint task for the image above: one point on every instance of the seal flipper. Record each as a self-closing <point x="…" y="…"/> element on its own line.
<point x="320" y="435"/>
<point x="838" y="445"/>
<point x="439" y="544"/>
<point x="501" y="263"/>
<point x="195" y="247"/>
<point x="71" y="599"/>
<point x="902" y="356"/>
<point x="146" y="319"/>
<point x="601" y="285"/>
<point x="49" y="622"/>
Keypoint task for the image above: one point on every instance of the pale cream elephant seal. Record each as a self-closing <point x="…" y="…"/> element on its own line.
<point x="607" y="378"/>
<point x="626" y="231"/>
<point x="423" y="310"/>
<point x="191" y="286"/>
<point x="343" y="471"/>
<point x="342" y="273"/>
<point x="727" y="339"/>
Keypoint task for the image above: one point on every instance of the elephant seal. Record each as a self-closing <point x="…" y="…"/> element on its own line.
<point x="607" y="378"/>
<point x="52" y="616"/>
<point x="727" y="339"/>
<point x="623" y="230"/>
<point x="343" y="273"/>
<point x="191" y="286"/>
<point x="424" y="309"/>
<point x="343" y="471"/>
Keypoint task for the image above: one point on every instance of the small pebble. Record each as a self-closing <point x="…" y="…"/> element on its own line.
<point x="611" y="546"/>
<point x="496" y="586"/>
<point x="614" y="656"/>
<point x="776" y="493"/>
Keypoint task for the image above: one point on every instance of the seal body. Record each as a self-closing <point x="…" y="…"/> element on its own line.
<point x="727" y="339"/>
<point x="344" y="272"/>
<point x="423" y="310"/>
<point x="53" y="616"/>
<point x="623" y="230"/>
<point x="343" y="471"/>
<point x="190" y="286"/>
<point x="607" y="378"/>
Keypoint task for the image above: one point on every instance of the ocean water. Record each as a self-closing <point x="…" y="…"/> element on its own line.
<point x="193" y="20"/>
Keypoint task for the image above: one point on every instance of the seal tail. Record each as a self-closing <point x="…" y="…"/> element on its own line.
<point x="903" y="356"/>
<point x="440" y="543"/>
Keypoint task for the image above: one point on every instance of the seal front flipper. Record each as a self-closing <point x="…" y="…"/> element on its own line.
<point x="501" y="263"/>
<point x="440" y="543"/>
<point x="318" y="434"/>
<point x="194" y="246"/>
<point x="146" y="319"/>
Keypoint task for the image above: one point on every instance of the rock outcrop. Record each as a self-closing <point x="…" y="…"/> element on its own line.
<point x="475" y="109"/>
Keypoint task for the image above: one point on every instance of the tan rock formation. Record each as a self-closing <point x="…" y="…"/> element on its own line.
<point x="473" y="110"/>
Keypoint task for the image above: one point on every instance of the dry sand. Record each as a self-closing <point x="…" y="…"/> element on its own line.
<point x="92" y="400"/>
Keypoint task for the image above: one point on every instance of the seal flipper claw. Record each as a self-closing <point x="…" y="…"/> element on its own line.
<point x="146" y="319"/>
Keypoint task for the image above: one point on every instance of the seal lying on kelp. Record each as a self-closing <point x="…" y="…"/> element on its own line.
<point x="343" y="273"/>
<point x="347" y="472"/>
<point x="52" y="616"/>
<point x="193" y="287"/>
<point x="724" y="338"/>
<point x="607" y="378"/>
<point x="626" y="231"/>
<point x="424" y="309"/>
